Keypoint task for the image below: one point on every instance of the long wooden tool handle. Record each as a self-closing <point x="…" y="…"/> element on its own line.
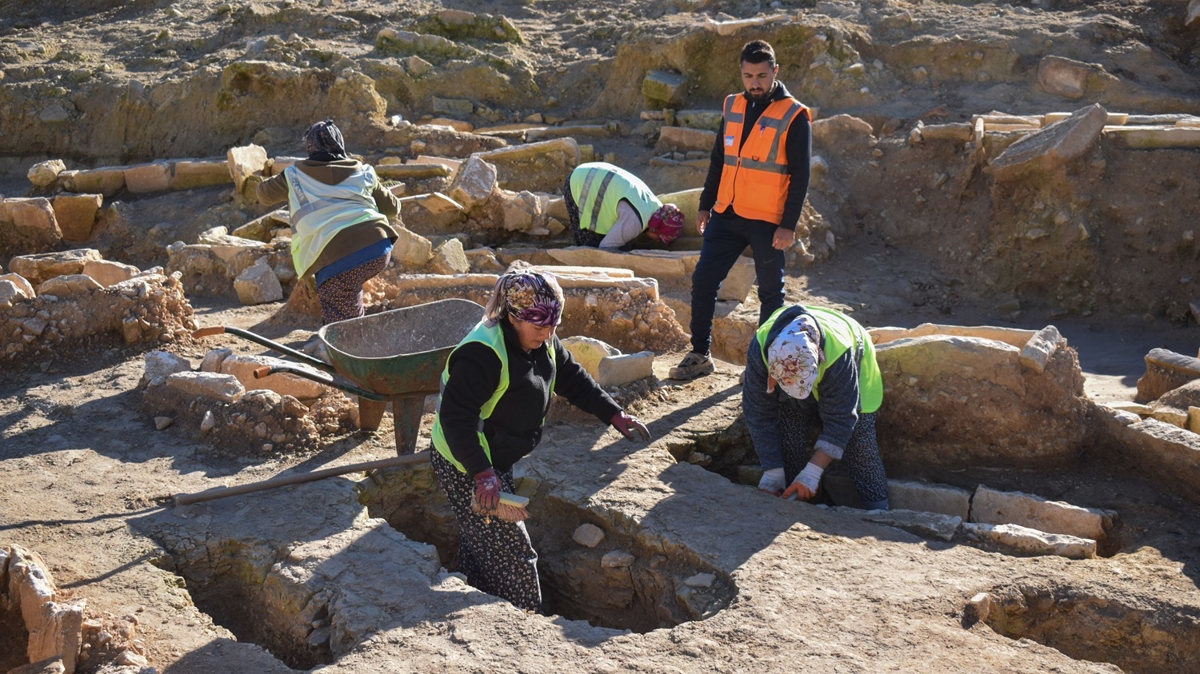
<point x="284" y="480"/>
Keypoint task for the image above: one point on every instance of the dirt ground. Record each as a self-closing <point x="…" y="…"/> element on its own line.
<point x="83" y="468"/>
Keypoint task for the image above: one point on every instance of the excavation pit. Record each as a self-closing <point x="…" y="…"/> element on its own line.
<point x="227" y="586"/>
<point x="13" y="636"/>
<point x="1141" y="635"/>
<point x="630" y="580"/>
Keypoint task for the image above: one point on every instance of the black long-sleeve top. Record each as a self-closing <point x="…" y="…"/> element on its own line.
<point x="515" y="426"/>
<point x="797" y="149"/>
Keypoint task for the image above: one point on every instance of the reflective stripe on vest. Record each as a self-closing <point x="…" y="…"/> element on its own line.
<point x="839" y="334"/>
<point x="754" y="178"/>
<point x="598" y="187"/>
<point x="493" y="338"/>
<point x="319" y="211"/>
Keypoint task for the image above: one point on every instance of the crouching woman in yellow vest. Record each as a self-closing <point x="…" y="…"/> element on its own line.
<point x="496" y="390"/>
<point x="807" y="364"/>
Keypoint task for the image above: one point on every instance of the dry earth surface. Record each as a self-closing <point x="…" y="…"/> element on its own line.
<point x="921" y="236"/>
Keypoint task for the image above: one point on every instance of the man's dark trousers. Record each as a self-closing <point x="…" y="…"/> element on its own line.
<point x="725" y="237"/>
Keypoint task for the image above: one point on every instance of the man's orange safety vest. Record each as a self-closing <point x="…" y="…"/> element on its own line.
<point x="754" y="178"/>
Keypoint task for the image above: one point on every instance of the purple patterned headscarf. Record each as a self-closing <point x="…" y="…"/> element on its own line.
<point x="530" y="296"/>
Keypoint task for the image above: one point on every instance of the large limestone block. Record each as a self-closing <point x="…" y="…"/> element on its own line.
<point x="1072" y="79"/>
<point x="1016" y="539"/>
<point x="653" y="263"/>
<point x="163" y="364"/>
<point x="43" y="174"/>
<point x="107" y="180"/>
<point x="920" y="522"/>
<point x="411" y="250"/>
<point x="263" y="228"/>
<point x="233" y="250"/>
<point x="1155" y="137"/>
<point x="589" y="351"/>
<point x="244" y="162"/>
<point x="931" y="498"/>
<point x="76" y="215"/>
<point x="684" y="139"/>
<point x="663" y="89"/>
<point x="54" y="628"/>
<point x="699" y="119"/>
<point x="192" y="173"/>
<point x="1165" y="370"/>
<point x="841" y="129"/>
<point x="1167" y="454"/>
<point x="14" y="288"/>
<point x="69" y="285"/>
<point x="962" y="401"/>
<point x="1011" y="336"/>
<point x="243" y="367"/>
<point x="998" y="507"/>
<point x="222" y="387"/>
<point x="1051" y="147"/>
<point x="107" y="272"/>
<point x="521" y="210"/>
<point x="34" y="220"/>
<point x="539" y="167"/>
<point x="625" y="368"/>
<point x="152" y="177"/>
<point x="474" y="182"/>
<point x="1040" y="348"/>
<point x="38" y="268"/>
<point x="449" y="258"/>
<point x="257" y="284"/>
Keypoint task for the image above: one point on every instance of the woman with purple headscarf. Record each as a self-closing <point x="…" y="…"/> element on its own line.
<point x="496" y="390"/>
<point x="341" y="232"/>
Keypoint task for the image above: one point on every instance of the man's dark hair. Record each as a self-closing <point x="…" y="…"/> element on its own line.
<point x="757" y="51"/>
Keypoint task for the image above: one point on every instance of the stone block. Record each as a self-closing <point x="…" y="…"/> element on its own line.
<point x="684" y="139"/>
<point x="223" y="387"/>
<point x="263" y="228"/>
<point x="1165" y="370"/>
<point x="957" y="132"/>
<point x="407" y="172"/>
<point x="14" y="288"/>
<point x="456" y="124"/>
<point x="257" y="284"/>
<point x="449" y="258"/>
<point x="1040" y="348"/>
<point x="588" y="535"/>
<point x="663" y="89"/>
<point x="474" y="182"/>
<point x="76" y="215"/>
<point x="1154" y="137"/>
<point x="924" y="523"/>
<point x="45" y="173"/>
<point x="107" y="272"/>
<point x="69" y="285"/>
<point x="841" y="129"/>
<point x="625" y="368"/>
<point x="1071" y="79"/>
<point x="1019" y="540"/>
<point x="539" y="166"/>
<point x="617" y="559"/>
<point x="574" y="131"/>
<point x="192" y="173"/>
<point x="162" y="364"/>
<point x="152" y="177"/>
<point x="521" y="211"/>
<point x="411" y="250"/>
<point x="932" y="498"/>
<point x="589" y="351"/>
<point x="34" y="219"/>
<point x="452" y="106"/>
<point x="244" y="162"/>
<point x="106" y="180"/>
<point x="1162" y="452"/>
<point x="484" y="261"/>
<point x="1012" y="336"/>
<point x="998" y="507"/>
<point x="51" y="665"/>
<point x="243" y="367"/>
<point x="1193" y="423"/>
<point x="213" y="359"/>
<point x="56" y="631"/>
<point x="1051" y="147"/>
<point x="699" y="119"/>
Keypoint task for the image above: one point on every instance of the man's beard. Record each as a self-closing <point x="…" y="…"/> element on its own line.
<point x="761" y="94"/>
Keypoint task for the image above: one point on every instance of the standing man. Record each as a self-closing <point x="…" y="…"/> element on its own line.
<point x="610" y="207"/>
<point x="753" y="196"/>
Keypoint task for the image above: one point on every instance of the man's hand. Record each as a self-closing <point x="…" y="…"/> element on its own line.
<point x="487" y="489"/>
<point x="702" y="221"/>
<point x="784" y="238"/>
<point x="629" y="425"/>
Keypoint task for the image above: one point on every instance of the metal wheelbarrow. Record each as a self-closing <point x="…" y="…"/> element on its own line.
<point x="394" y="356"/>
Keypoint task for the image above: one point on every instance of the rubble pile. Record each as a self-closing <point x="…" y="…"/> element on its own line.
<point x="80" y="298"/>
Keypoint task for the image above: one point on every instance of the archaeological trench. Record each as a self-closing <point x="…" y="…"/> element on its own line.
<point x="1006" y="194"/>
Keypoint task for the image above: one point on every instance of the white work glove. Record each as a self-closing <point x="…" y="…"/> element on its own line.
<point x="772" y="481"/>
<point x="805" y="485"/>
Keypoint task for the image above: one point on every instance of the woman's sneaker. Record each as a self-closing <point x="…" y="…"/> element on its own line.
<point x="693" y="365"/>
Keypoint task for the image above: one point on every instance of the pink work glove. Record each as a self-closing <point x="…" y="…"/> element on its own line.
<point x="487" y="489"/>
<point x="628" y="425"/>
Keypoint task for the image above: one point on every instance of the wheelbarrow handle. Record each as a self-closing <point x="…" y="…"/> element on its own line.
<point x="263" y="341"/>
<point x="268" y="370"/>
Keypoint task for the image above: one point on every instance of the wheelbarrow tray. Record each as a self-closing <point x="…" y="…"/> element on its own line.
<point x="402" y="351"/>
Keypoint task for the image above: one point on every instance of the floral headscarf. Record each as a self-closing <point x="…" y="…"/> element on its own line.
<point x="529" y="296"/>
<point x="324" y="142"/>
<point x="667" y="222"/>
<point x="794" y="356"/>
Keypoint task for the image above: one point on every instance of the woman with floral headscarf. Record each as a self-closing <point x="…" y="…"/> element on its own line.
<point x="496" y="390"/>
<point x="807" y="364"/>
<point x="341" y="234"/>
